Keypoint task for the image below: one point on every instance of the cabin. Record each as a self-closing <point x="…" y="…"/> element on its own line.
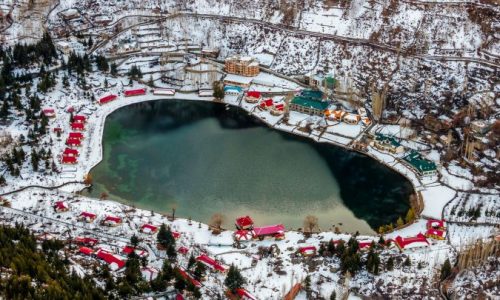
<point x="61" y="206"/>
<point x="187" y="277"/>
<point x="49" y="112"/>
<point x="245" y="223"/>
<point x="253" y="96"/>
<point x="276" y="231"/>
<point x="435" y="224"/>
<point x="87" y="217"/>
<point x="112" y="221"/>
<point x="70" y="152"/>
<point x="76" y="135"/>
<point x="183" y="250"/>
<point x="266" y="104"/>
<point x="351" y="119"/>
<point x="243" y="235"/>
<point x="436" y="229"/>
<point x="164" y="92"/>
<point x="307" y="250"/>
<point x="77" y="126"/>
<point x="364" y="245"/>
<point x="278" y="109"/>
<point x="71" y="142"/>
<point x="417" y="241"/>
<point x="79" y="119"/>
<point x="114" y="261"/>
<point x="86" y="251"/>
<point x="176" y="234"/>
<point x="135" y="92"/>
<point x="127" y="250"/>
<point x="86" y="241"/>
<point x="107" y="99"/>
<point x="149" y="229"/>
<point x="211" y="263"/>
<point x="149" y="273"/>
<point x="69" y="160"/>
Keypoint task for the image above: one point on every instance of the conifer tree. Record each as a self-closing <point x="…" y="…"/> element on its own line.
<point x="445" y="269"/>
<point x="390" y="264"/>
<point x="234" y="280"/>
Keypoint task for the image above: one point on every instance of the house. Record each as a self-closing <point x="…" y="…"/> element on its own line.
<point x="307" y="250"/>
<point x="79" y="119"/>
<point x="253" y="96"/>
<point x="71" y="142"/>
<point x="411" y="242"/>
<point x="266" y="104"/>
<point x="352" y="119"/>
<point x="61" y="206"/>
<point x="76" y="135"/>
<point x="435" y="224"/>
<point x="232" y="90"/>
<point x="187" y="277"/>
<point x="365" y="245"/>
<point x="70" y="152"/>
<point x="49" y="112"/>
<point x="149" y="229"/>
<point x="244" y="223"/>
<point x="87" y="217"/>
<point x="237" y="80"/>
<point x="277" y="231"/>
<point x="278" y="109"/>
<point x="77" y="126"/>
<point x="242" y="65"/>
<point x="136" y="92"/>
<point x="149" y="273"/>
<point x="164" y="92"/>
<point x="107" y="99"/>
<point x="243" y="235"/>
<point x="205" y="93"/>
<point x="211" y="263"/>
<point x="112" y="221"/>
<point x="86" y="241"/>
<point x="387" y="143"/>
<point x="309" y="102"/>
<point x="366" y="121"/>
<point x="436" y="234"/>
<point x="183" y="250"/>
<point x="480" y="127"/>
<point x="86" y="251"/>
<point x="422" y="166"/>
<point x="69" y="160"/>
<point x="64" y="47"/>
<point x="115" y="262"/>
<point x="176" y="234"/>
<point x="245" y="295"/>
<point x="127" y="250"/>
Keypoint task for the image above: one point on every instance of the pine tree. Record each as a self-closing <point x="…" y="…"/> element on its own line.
<point x="331" y="247"/>
<point x="390" y="264"/>
<point x="333" y="295"/>
<point x="165" y="237"/>
<point x="199" y="271"/>
<point x="234" y="280"/>
<point x="445" y="269"/>
<point x="2" y="180"/>
<point x="191" y="261"/>
<point x="407" y="262"/>
<point x="134" y="241"/>
<point x="34" y="160"/>
<point x="114" y="69"/>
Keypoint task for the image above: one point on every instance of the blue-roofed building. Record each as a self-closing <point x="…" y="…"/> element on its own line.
<point x="232" y="90"/>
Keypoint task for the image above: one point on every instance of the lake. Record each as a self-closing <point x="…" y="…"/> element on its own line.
<point x="201" y="158"/>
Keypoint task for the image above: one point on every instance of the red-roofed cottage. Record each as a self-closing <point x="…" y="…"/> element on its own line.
<point x="77" y="126"/>
<point x="87" y="241"/>
<point x="139" y="252"/>
<point x="183" y="250"/>
<point x="107" y="99"/>
<point x="115" y="262"/>
<point x="49" y="112"/>
<point x="86" y="251"/>
<point x="69" y="160"/>
<point x="112" y="221"/>
<point x="87" y="217"/>
<point x="187" y="277"/>
<point x="79" y="119"/>
<point x="411" y="242"/>
<point x="253" y="97"/>
<point x="307" y="250"/>
<point x="149" y="229"/>
<point x="136" y="92"/>
<point x="245" y="223"/>
<point x="70" y="152"/>
<point x="61" y="206"/>
<point x="277" y="231"/>
<point x="243" y="235"/>
<point x="76" y="135"/>
<point x="73" y="142"/>
<point x="211" y="263"/>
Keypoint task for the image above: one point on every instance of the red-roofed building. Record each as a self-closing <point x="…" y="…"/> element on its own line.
<point x="79" y="119"/>
<point x="77" y="126"/>
<point x="69" y="160"/>
<point x="57" y="129"/>
<point x="87" y="241"/>
<point x="243" y="235"/>
<point x="276" y="231"/>
<point x="245" y="223"/>
<point x="76" y="135"/>
<point x="70" y="109"/>
<point x="61" y="206"/>
<point x="179" y="297"/>
<point x="107" y="99"/>
<point x="70" y="152"/>
<point x="364" y="245"/>
<point x="87" y="217"/>
<point x="411" y="242"/>
<point x="307" y="250"/>
<point x="49" y="112"/>
<point x="436" y="224"/>
<point x="139" y="252"/>
<point x="245" y="295"/>
<point x="73" y="142"/>
<point x="112" y="221"/>
<point x="183" y="250"/>
<point x="115" y="262"/>
<point x="253" y="97"/>
<point x="211" y="263"/>
<point x="86" y="251"/>
<point x="176" y="234"/>
<point x="149" y="229"/>
<point x="136" y="92"/>
<point x="278" y="109"/>
<point x="187" y="277"/>
<point x="437" y="234"/>
<point x="266" y="104"/>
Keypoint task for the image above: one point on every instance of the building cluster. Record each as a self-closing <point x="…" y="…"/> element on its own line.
<point x="242" y="65"/>
<point x="246" y="231"/>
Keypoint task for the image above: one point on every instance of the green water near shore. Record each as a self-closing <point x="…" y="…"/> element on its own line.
<point x="203" y="159"/>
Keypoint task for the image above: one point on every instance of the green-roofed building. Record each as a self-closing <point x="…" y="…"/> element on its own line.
<point x="422" y="166"/>
<point x="387" y="143"/>
<point x="309" y="102"/>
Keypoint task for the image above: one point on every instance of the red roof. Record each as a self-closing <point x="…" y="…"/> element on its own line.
<point x="86" y="251"/>
<point x="79" y="118"/>
<point x="243" y="222"/>
<point x="61" y="205"/>
<point x="77" y="126"/>
<point x="49" y="112"/>
<point x="253" y="94"/>
<point x="403" y="242"/>
<point x="176" y="234"/>
<point x="107" y="99"/>
<point x="186" y="276"/>
<point x="435" y="224"/>
<point x="266" y="103"/>
<point x="436" y="232"/>
<point x="69" y="159"/>
<point x="113" y="219"/>
<point x="76" y="135"/>
<point x="183" y="250"/>
<point x="148" y="228"/>
<point x="86" y="241"/>
<point x="70" y="152"/>
<point x="243" y="235"/>
<point x="110" y="258"/>
<point x="70" y="109"/>
<point x="280" y="106"/>
<point x="73" y="142"/>
<point x="136" y="92"/>
<point x="307" y="249"/>
<point x="269" y="230"/>
<point x="244" y="294"/>
<point x="57" y="129"/>
<point x="179" y="297"/>
<point x="212" y="263"/>
<point x="88" y="215"/>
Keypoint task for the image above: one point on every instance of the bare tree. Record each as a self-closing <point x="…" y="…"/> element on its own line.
<point x="311" y="224"/>
<point x="216" y="221"/>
